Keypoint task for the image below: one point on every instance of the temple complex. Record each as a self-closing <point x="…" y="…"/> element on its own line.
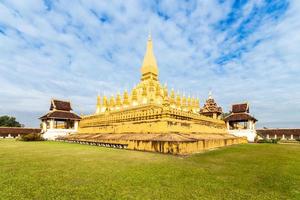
<point x="151" y="117"/>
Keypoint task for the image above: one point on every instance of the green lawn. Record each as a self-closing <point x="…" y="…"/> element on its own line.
<point x="54" y="170"/>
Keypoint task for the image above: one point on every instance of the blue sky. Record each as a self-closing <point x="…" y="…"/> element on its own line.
<point x="73" y="50"/>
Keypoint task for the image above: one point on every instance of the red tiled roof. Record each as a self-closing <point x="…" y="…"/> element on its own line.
<point x="14" y="131"/>
<point x="233" y="117"/>
<point x="240" y="108"/>
<point x="60" y="105"/>
<point x="279" y="131"/>
<point x="61" y="115"/>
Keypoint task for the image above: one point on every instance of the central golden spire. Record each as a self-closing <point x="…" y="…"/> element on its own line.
<point x="149" y="68"/>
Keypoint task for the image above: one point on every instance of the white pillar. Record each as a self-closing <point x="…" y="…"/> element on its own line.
<point x="251" y="125"/>
<point x="51" y="124"/>
<point x="283" y="137"/>
<point x="44" y="126"/>
<point x="268" y="137"/>
<point x="275" y="137"/>
<point x="214" y="115"/>
<point x="292" y="137"/>
<point x="76" y="125"/>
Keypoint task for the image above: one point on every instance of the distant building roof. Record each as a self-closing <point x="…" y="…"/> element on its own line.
<point x="14" y="131"/>
<point x="240" y="108"/>
<point x="60" y="105"/>
<point x="237" y="117"/>
<point x="61" y="115"/>
<point x="239" y="113"/>
<point x="60" y="110"/>
<point x="279" y="131"/>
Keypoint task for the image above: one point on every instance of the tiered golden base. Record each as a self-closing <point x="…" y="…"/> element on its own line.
<point x="173" y="143"/>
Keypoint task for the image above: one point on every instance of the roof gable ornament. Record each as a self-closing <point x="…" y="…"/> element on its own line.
<point x="60" y="110"/>
<point x="210" y="106"/>
<point x="240" y="108"/>
<point x="60" y="105"/>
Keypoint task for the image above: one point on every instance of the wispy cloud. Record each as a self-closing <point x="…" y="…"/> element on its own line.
<point x="242" y="50"/>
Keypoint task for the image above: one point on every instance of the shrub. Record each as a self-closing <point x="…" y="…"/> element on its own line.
<point x="264" y="141"/>
<point x="32" y="137"/>
<point x="271" y="141"/>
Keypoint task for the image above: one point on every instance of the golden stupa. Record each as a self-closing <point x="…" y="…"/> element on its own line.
<point x="151" y="118"/>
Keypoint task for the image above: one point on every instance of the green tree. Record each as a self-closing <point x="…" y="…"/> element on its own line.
<point x="9" y="121"/>
<point x="223" y="115"/>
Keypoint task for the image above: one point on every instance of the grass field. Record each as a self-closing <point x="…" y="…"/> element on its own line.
<point x="54" y="170"/>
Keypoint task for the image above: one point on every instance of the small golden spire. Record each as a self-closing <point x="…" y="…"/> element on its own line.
<point x="178" y="100"/>
<point x="192" y="103"/>
<point x="125" y="98"/>
<point x="105" y="100"/>
<point x="166" y="101"/>
<point x="157" y="93"/>
<point x="189" y="103"/>
<point x="98" y="100"/>
<point x="112" y="101"/>
<point x="134" y="95"/>
<point x="197" y="105"/>
<point x="172" y="93"/>
<point x="183" y="100"/>
<point x="166" y="92"/>
<point x="105" y="103"/>
<point x="98" y="107"/>
<point x="184" y="103"/>
<point x="118" y="100"/>
<point x="172" y="98"/>
<point x="144" y="93"/>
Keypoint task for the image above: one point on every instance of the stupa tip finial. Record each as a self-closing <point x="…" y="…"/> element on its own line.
<point x="149" y="35"/>
<point x="210" y="94"/>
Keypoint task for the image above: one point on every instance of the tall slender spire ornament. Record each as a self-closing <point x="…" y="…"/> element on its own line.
<point x="149" y="67"/>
